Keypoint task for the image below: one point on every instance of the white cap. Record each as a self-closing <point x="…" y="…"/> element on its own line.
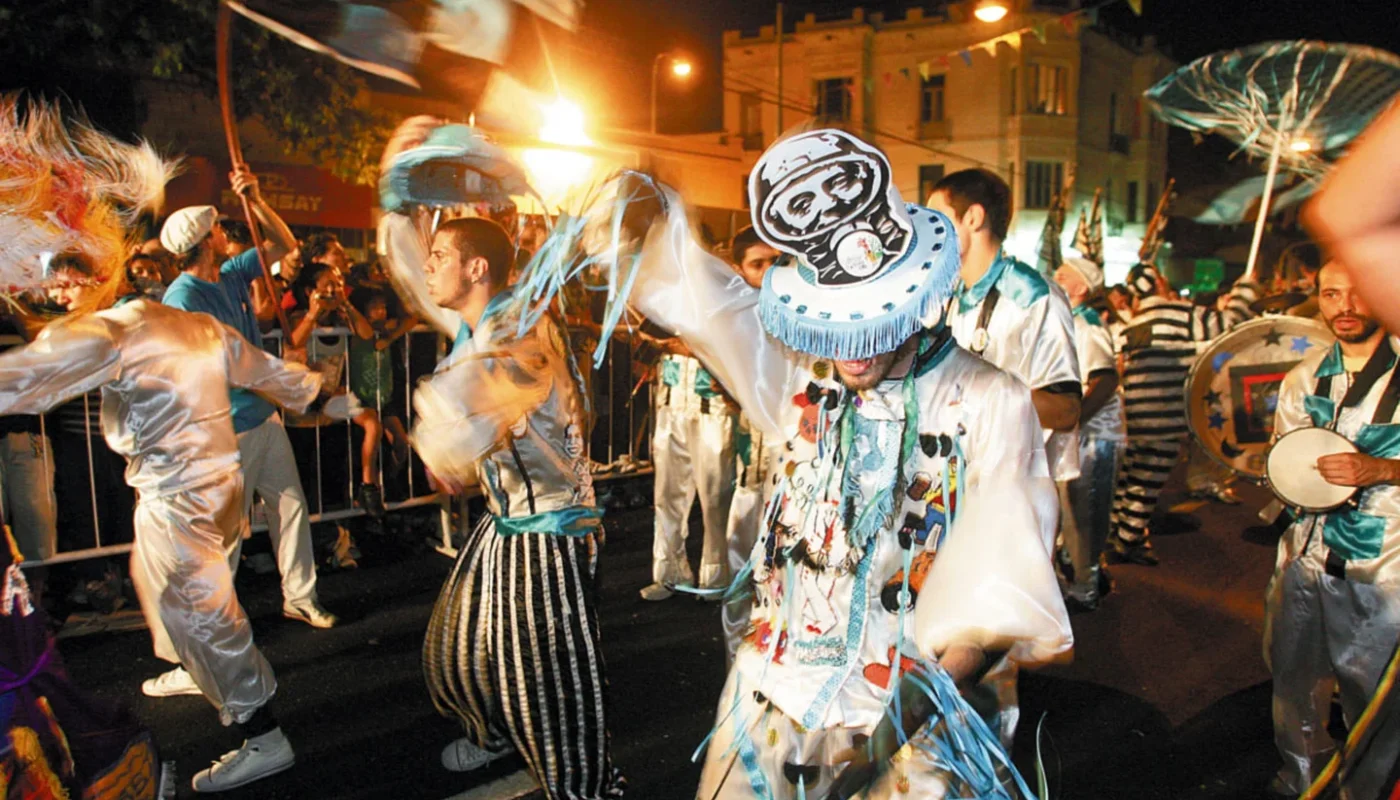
<point x="187" y="227"/>
<point x="1088" y="270"/>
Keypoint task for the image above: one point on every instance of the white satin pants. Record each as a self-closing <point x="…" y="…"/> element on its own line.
<point x="745" y="517"/>
<point x="181" y="573"/>
<point x="693" y="454"/>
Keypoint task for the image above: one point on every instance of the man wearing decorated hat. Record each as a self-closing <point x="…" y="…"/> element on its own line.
<point x="1158" y="347"/>
<point x="904" y="552"/>
<point x="1087" y="501"/>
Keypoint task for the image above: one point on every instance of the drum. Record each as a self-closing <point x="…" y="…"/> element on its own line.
<point x="1292" y="471"/>
<point x="1232" y="389"/>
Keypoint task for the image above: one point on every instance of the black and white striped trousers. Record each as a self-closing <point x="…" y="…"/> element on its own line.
<point x="513" y="652"/>
<point x="1147" y="463"/>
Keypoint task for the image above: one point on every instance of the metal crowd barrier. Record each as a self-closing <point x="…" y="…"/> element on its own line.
<point x="94" y="509"/>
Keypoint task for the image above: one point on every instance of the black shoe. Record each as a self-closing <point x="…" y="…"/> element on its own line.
<point x="1139" y="552"/>
<point x="372" y="500"/>
<point x="1076" y="606"/>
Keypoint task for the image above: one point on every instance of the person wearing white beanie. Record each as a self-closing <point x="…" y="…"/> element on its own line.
<point x="1087" y="501"/>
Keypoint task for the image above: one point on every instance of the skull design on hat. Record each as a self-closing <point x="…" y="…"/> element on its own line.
<point x="828" y="198"/>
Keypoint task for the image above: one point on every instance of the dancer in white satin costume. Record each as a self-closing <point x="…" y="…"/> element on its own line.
<point x="754" y="456"/>
<point x="693" y="452"/>
<point x="903" y="547"/>
<point x="165" y="378"/>
<point x="1333" y="604"/>
<point x="513" y="650"/>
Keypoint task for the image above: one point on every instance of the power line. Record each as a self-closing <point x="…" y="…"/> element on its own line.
<point x="768" y="96"/>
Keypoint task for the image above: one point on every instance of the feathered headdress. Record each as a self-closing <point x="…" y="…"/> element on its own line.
<point x="65" y="186"/>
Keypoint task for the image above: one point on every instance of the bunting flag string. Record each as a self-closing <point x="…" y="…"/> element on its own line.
<point x="1015" y="39"/>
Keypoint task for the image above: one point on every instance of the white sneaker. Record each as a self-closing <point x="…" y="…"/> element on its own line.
<point x="463" y="755"/>
<point x="311" y="613"/>
<point x="258" y="758"/>
<point x="169" y="684"/>
<point x="656" y="591"/>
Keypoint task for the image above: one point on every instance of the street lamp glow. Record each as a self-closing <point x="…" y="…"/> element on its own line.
<point x="555" y="171"/>
<point x="990" y="12"/>
<point x="680" y="69"/>
<point x="1300" y="145"/>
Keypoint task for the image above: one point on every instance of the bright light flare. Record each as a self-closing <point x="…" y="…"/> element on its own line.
<point x="681" y="69"/>
<point x="554" y="172"/>
<point x="990" y="12"/>
<point x="1300" y="145"/>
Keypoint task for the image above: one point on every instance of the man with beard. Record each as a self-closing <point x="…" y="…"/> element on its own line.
<point x="905" y="495"/>
<point x="1334" y="600"/>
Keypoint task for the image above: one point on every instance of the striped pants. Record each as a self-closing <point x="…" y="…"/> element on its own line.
<point x="1147" y="464"/>
<point x="513" y="652"/>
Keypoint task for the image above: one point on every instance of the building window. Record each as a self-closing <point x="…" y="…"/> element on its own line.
<point x="1015" y="90"/>
<point x="929" y="176"/>
<point x="931" y="103"/>
<point x="1151" y="197"/>
<point x="1048" y="90"/>
<point x="1132" y="201"/>
<point x="1044" y="180"/>
<point x="751" y="120"/>
<point x="832" y="100"/>
<point x="1112" y="113"/>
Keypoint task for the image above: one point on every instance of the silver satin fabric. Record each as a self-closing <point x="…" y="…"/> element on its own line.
<point x="753" y="480"/>
<point x="165" y="376"/>
<point x="697" y="296"/>
<point x="1320" y="629"/>
<point x="504" y="407"/>
<point x="1036" y="344"/>
<point x="693" y="453"/>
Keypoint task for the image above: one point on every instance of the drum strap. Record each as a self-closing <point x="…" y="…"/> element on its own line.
<point x="1376" y="366"/>
<point x="984" y="320"/>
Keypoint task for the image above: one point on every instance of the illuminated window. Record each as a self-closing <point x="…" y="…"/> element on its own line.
<point x="1047" y="91"/>
<point x="832" y="100"/>
<point x="931" y="103"/>
<point x="1044" y="180"/>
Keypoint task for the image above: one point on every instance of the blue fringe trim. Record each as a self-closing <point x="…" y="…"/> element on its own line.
<point x="853" y="340"/>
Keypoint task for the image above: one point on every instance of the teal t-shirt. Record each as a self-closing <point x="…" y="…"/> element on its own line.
<point x="230" y="302"/>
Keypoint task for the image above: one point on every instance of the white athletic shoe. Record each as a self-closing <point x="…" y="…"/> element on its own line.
<point x="169" y="684"/>
<point x="258" y="758"/>
<point x="463" y="755"/>
<point x="311" y="613"/>
<point x="656" y="591"/>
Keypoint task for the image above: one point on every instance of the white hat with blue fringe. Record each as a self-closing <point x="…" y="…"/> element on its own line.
<point x="869" y="270"/>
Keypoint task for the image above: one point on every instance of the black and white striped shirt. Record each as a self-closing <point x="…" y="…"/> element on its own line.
<point x="1159" y="346"/>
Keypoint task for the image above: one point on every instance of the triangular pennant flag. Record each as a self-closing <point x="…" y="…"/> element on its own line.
<point x="1038" y="31"/>
<point x="887" y="79"/>
<point x="1013" y="40"/>
<point x="924" y="71"/>
<point x="944" y="62"/>
<point x="990" y="46"/>
<point x="1069" y="21"/>
<point x="905" y="72"/>
<point x="1136" y="6"/>
<point x="1092" y="15"/>
<point x="966" y="56"/>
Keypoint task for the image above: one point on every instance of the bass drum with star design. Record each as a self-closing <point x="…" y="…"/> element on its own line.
<point x="1232" y="389"/>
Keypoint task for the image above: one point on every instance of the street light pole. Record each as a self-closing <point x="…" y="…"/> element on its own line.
<point x="655" y="65"/>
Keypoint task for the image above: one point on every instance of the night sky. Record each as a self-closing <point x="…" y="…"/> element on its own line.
<point x="622" y="36"/>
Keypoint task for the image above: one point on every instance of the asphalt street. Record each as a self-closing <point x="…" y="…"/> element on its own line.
<point x="1167" y="696"/>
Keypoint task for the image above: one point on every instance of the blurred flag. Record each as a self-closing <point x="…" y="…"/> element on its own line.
<point x="1050" y="257"/>
<point x="1088" y="238"/>
<point x="448" y="49"/>
<point x="1156" y="233"/>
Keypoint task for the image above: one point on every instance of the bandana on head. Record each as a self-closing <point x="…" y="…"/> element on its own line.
<point x="869" y="270"/>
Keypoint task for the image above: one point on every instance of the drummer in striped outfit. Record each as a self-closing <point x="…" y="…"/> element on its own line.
<point x="1158" y="348"/>
<point x="1333" y="605"/>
